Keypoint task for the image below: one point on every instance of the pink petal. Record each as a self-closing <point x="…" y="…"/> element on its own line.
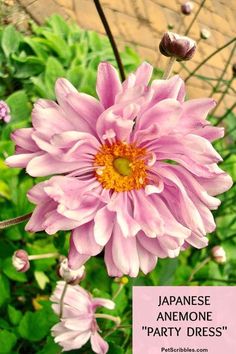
<point x="103" y="225"/>
<point x="99" y="345"/>
<point x="108" y="84"/>
<point x="84" y="241"/>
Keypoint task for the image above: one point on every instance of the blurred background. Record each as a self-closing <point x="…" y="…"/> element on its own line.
<point x="140" y="25"/>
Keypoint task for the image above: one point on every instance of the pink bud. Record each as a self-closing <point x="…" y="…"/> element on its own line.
<point x="180" y="47"/>
<point x="71" y="276"/>
<point x="20" y="261"/>
<point x="187" y="8"/>
<point x="218" y="254"/>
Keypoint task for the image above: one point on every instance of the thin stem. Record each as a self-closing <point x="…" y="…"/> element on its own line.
<point x="118" y="291"/>
<point x="111" y="38"/>
<point x="195" y="17"/>
<point x="18" y="220"/>
<point x="215" y="89"/>
<point x="169" y="68"/>
<point x="225" y="115"/>
<point x="62" y="300"/>
<point x="43" y="256"/>
<point x="223" y="94"/>
<point x="209" y="57"/>
<point x="199" y="266"/>
<point x="108" y="317"/>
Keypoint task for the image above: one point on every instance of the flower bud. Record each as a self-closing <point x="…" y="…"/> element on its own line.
<point x="234" y="69"/>
<point x="4" y="112"/>
<point x="180" y="47"/>
<point x="187" y="8"/>
<point x="218" y="254"/>
<point x="20" y="261"/>
<point x="71" y="276"/>
<point x="171" y="26"/>
<point x="205" y="33"/>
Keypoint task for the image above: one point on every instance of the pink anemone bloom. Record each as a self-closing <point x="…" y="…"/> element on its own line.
<point x="139" y="175"/>
<point x="78" y="323"/>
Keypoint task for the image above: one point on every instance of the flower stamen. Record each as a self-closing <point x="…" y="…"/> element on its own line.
<point x="123" y="166"/>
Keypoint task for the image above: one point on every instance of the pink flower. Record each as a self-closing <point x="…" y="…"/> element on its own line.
<point x="139" y="173"/>
<point x="4" y="112"/>
<point x="78" y="323"/>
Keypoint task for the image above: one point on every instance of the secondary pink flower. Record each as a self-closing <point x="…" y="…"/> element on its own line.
<point x="4" y="112"/>
<point x="139" y="171"/>
<point x="78" y="323"/>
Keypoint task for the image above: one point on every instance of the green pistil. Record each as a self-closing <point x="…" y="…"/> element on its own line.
<point x="122" y="166"/>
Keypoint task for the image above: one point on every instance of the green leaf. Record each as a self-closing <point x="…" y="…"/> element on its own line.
<point x="11" y="272"/>
<point x="59" y="25"/>
<point x="19" y="106"/>
<point x="34" y="326"/>
<point x="4" y="190"/>
<point x="7" y="341"/>
<point x="54" y="70"/>
<point x="10" y="40"/>
<point x="50" y="347"/>
<point x="115" y="349"/>
<point x="4" y="290"/>
<point x="28" y="66"/>
<point x="14" y="315"/>
<point x="41" y="279"/>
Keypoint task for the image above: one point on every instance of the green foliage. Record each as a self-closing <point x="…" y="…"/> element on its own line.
<point x="30" y="65"/>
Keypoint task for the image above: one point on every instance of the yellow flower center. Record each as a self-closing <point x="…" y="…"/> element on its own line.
<point x="121" y="167"/>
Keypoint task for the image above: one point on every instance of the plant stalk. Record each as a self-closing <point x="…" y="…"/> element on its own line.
<point x="209" y="57"/>
<point x="194" y="18"/>
<point x="111" y="38"/>
<point x="169" y="68"/>
<point x="11" y="222"/>
<point x="62" y="300"/>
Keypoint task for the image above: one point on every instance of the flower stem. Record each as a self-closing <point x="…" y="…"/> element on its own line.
<point x="62" y="300"/>
<point x="43" y="256"/>
<point x="223" y="94"/>
<point x="109" y="317"/>
<point x="111" y="38"/>
<point x="169" y="68"/>
<point x="195" y="17"/>
<point x="11" y="222"/>
<point x="208" y="58"/>
<point x="199" y="266"/>
<point x="214" y="89"/>
<point x="118" y="291"/>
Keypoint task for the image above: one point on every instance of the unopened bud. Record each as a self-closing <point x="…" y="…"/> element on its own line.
<point x="218" y="254"/>
<point x="20" y="261"/>
<point x="180" y="47"/>
<point x="187" y="8"/>
<point x="205" y="33"/>
<point x="234" y="69"/>
<point x="171" y="26"/>
<point x="71" y="276"/>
